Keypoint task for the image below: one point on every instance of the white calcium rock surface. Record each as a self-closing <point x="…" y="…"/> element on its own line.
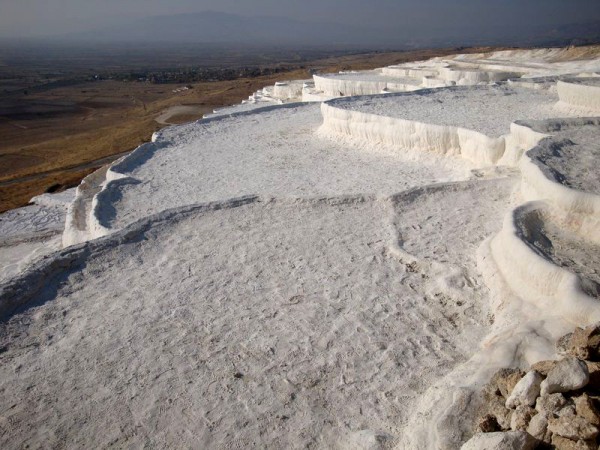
<point x="567" y="375"/>
<point x="508" y="440"/>
<point x="526" y="391"/>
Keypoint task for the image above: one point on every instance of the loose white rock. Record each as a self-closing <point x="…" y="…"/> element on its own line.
<point x="498" y="410"/>
<point x="526" y="391"/>
<point x="538" y="428"/>
<point x="509" y="440"/>
<point x="568" y="375"/>
<point x="572" y="427"/>
<point x="561" y="443"/>
<point x="585" y="408"/>
<point x="550" y="404"/>
<point x="568" y="410"/>
<point x="520" y="417"/>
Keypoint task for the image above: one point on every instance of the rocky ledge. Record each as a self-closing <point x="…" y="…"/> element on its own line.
<point x="555" y="404"/>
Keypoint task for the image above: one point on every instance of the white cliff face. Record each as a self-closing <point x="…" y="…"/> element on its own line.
<point x="474" y="123"/>
<point x="488" y="110"/>
<point x="410" y="71"/>
<point x="363" y="83"/>
<point x="29" y="233"/>
<point x="409" y="134"/>
<point x="272" y="268"/>
<point x="289" y="90"/>
<point x="582" y="94"/>
<point x="470" y="77"/>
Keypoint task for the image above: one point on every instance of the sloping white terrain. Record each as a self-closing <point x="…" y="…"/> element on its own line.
<point x="533" y="63"/>
<point x="262" y="322"/>
<point x="274" y="152"/>
<point x="339" y="275"/>
<point x="30" y="232"/>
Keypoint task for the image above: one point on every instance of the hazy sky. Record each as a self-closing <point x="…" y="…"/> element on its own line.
<point x="23" y="18"/>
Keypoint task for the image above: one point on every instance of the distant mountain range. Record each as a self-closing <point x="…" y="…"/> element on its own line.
<point x="219" y="28"/>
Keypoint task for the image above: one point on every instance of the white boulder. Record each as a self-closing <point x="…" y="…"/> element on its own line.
<point x="526" y="391"/>
<point x="550" y="404"/>
<point x="567" y="375"/>
<point x="509" y="440"/>
<point x="538" y="428"/>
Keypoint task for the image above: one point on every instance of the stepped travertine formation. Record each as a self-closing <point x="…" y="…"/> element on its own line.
<point x="309" y="270"/>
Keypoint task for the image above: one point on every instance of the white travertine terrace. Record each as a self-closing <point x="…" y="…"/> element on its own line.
<point x="537" y="66"/>
<point x="474" y="123"/>
<point x="29" y="233"/>
<point x="258" y="161"/>
<point x="469" y="77"/>
<point x="532" y="63"/>
<point x="538" y="279"/>
<point x="410" y="71"/>
<point x="289" y="90"/>
<point x="361" y="83"/>
<point x="542" y="268"/>
<point x="80" y="215"/>
<point x="284" y="263"/>
<point x="581" y="93"/>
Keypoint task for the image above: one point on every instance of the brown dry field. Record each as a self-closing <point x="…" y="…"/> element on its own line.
<point x="65" y="133"/>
